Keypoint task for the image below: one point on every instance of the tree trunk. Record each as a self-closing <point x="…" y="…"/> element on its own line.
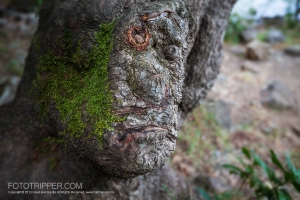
<point x="107" y="85"/>
<point x="297" y="13"/>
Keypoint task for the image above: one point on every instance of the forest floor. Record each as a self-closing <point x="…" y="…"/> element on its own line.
<point x="231" y="117"/>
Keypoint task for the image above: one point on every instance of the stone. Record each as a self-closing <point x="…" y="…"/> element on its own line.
<point x="9" y="90"/>
<point x="221" y="111"/>
<point x="26" y="30"/>
<point x="249" y="34"/>
<point x="268" y="128"/>
<point x="237" y="49"/>
<point x="275" y="95"/>
<point x="293" y="50"/>
<point x="20" y="56"/>
<point x="257" y="50"/>
<point x="296" y="129"/>
<point x="250" y="66"/>
<point x="219" y="184"/>
<point x="275" y="36"/>
<point x="32" y="19"/>
<point x="222" y="78"/>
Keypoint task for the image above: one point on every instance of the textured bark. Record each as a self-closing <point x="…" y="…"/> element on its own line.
<point x="165" y="57"/>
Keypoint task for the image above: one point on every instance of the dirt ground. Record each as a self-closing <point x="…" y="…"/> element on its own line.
<point x="204" y="146"/>
<point x="242" y="88"/>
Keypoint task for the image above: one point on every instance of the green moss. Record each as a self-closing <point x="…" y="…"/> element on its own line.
<point x="78" y="85"/>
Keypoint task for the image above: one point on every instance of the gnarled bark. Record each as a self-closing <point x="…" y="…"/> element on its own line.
<point x="164" y="59"/>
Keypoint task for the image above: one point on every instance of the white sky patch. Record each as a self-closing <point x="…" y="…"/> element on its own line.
<point x="264" y="8"/>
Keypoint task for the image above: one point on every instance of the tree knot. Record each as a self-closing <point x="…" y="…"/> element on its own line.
<point x="138" y="37"/>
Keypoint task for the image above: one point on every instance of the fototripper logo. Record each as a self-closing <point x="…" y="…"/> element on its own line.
<point x="43" y="186"/>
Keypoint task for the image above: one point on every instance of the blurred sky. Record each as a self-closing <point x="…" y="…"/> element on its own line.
<point x="264" y="8"/>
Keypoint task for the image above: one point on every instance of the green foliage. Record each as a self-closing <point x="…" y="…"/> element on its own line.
<point x="262" y="36"/>
<point x="250" y="173"/>
<point x="204" y="194"/>
<point x="198" y="131"/>
<point x="169" y="193"/>
<point x="193" y="145"/>
<point x="252" y="12"/>
<point x="223" y="196"/>
<point x="290" y="18"/>
<point x="78" y="85"/>
<point x="236" y="25"/>
<point x="290" y="21"/>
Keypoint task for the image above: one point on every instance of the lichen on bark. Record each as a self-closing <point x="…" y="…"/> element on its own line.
<point x="78" y="85"/>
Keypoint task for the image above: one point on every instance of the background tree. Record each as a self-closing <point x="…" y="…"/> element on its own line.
<point x="297" y="10"/>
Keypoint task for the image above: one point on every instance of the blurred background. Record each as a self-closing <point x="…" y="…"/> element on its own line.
<point x="254" y="102"/>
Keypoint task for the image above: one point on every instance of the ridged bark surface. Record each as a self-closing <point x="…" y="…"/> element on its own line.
<point x="165" y="58"/>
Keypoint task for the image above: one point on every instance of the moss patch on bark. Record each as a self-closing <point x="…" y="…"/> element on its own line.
<point x="78" y="85"/>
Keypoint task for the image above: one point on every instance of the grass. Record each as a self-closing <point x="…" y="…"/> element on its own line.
<point x="262" y="35"/>
<point x="203" y="135"/>
<point x="292" y="34"/>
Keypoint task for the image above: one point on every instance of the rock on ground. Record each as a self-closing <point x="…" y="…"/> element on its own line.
<point x="237" y="49"/>
<point x="221" y="111"/>
<point x="249" y="34"/>
<point x="293" y="50"/>
<point x="249" y="66"/>
<point x="9" y="90"/>
<point x="275" y="36"/>
<point x="257" y="50"/>
<point x="277" y="96"/>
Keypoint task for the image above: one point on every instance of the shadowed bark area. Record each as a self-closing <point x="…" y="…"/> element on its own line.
<point x="162" y="59"/>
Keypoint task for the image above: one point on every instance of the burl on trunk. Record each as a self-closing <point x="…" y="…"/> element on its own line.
<point x="107" y="85"/>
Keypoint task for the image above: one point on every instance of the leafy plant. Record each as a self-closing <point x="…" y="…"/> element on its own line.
<point x="273" y="188"/>
<point x="224" y="196"/>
